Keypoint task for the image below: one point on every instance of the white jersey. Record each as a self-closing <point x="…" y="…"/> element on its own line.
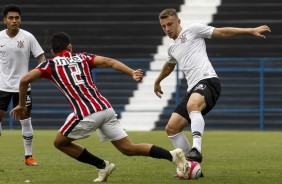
<point x="189" y="51"/>
<point x="14" y="58"/>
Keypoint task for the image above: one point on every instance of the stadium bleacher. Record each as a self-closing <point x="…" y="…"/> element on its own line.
<point x="121" y="29"/>
<point x="130" y="31"/>
<point x="253" y="13"/>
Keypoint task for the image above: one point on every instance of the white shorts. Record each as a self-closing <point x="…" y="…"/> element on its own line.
<point x="105" y="122"/>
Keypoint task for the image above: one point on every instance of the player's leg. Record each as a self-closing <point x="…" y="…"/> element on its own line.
<point x="27" y="133"/>
<point x="81" y="154"/>
<point x="1" y="117"/>
<point x="177" y="122"/>
<point x="129" y="148"/>
<point x="174" y="129"/>
<point x="112" y="130"/>
<point x="66" y="145"/>
<point x="74" y="129"/>
<point x="195" y="105"/>
<point x="27" y="129"/>
<point x="5" y="99"/>
<point x="203" y="98"/>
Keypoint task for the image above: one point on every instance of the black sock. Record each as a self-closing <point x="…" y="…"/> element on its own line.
<point x="88" y="158"/>
<point x="158" y="152"/>
<point x="27" y="156"/>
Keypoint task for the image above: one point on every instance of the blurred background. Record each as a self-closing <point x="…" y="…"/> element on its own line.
<point x="250" y="69"/>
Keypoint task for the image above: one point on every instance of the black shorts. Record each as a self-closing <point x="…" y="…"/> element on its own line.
<point x="209" y="88"/>
<point x="6" y="97"/>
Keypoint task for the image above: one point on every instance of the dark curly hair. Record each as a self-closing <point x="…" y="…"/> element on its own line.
<point x="60" y="41"/>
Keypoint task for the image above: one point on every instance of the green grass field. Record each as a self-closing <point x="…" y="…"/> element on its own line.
<point x="229" y="157"/>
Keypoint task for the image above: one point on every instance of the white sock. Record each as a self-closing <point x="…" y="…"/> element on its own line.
<point x="180" y="141"/>
<point x="197" y="129"/>
<point x="27" y="132"/>
<point x="0" y="128"/>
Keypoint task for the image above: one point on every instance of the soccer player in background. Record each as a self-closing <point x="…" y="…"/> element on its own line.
<point x="71" y="73"/>
<point x="189" y="51"/>
<point x="15" y="47"/>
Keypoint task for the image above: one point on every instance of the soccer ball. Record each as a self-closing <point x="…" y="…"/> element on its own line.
<point x="195" y="171"/>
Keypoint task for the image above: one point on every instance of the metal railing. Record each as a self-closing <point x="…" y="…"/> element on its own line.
<point x="262" y="67"/>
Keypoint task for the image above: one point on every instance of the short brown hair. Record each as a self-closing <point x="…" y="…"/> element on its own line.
<point x="168" y="12"/>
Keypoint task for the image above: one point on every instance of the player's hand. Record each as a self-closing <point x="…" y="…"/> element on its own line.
<point x="18" y="112"/>
<point x="261" y="29"/>
<point x="158" y="90"/>
<point x="138" y="75"/>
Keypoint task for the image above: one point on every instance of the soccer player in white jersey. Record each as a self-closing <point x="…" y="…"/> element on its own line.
<point x="15" y="47"/>
<point x="189" y="51"/>
<point x="71" y="73"/>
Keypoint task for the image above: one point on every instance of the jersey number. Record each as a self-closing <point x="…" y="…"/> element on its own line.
<point x="75" y="73"/>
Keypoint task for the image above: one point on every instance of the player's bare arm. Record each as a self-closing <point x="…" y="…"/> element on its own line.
<point x="41" y="58"/>
<point x="166" y="70"/>
<point x="228" y="32"/>
<point x="24" y="83"/>
<point x="105" y="62"/>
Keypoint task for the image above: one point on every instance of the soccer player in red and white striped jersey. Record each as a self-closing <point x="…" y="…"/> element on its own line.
<point x="91" y="111"/>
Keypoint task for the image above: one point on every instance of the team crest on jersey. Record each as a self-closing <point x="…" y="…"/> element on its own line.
<point x="20" y="44"/>
<point x="183" y="38"/>
<point x="200" y="87"/>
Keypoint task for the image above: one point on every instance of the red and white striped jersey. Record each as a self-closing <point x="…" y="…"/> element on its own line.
<point x="71" y="73"/>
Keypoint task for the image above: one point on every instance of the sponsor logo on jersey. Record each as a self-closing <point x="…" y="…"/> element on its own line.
<point x="61" y="61"/>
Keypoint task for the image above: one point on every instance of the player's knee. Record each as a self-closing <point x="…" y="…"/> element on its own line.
<point x="196" y="106"/>
<point x="170" y="130"/>
<point x="192" y="107"/>
<point x="58" y="144"/>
